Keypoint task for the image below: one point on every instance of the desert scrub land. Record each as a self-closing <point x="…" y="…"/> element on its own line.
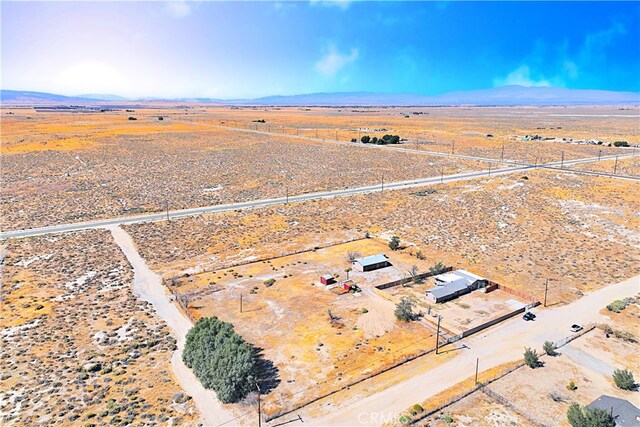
<point x="99" y="165"/>
<point x="77" y="347"/>
<point x="462" y="130"/>
<point x="579" y="231"/>
<point x="629" y="166"/>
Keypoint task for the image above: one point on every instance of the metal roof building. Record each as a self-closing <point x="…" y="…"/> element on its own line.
<point x="624" y="412"/>
<point x="372" y="262"/>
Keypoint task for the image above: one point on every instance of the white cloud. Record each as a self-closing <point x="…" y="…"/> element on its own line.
<point x="178" y="8"/>
<point x="340" y="4"/>
<point x="521" y="76"/>
<point x="332" y="61"/>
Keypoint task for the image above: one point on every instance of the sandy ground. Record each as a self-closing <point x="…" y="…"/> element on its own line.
<point x="511" y="337"/>
<point x="148" y="286"/>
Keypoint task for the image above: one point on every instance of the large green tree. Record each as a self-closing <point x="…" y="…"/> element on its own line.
<point x="221" y="359"/>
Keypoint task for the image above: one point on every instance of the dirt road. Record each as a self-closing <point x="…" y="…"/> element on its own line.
<point x="496" y="346"/>
<point x="148" y="286"/>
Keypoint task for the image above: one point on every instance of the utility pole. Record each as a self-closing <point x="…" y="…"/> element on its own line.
<point x="286" y="189"/>
<point x="615" y="166"/>
<point x="240" y="303"/>
<point x="167" y="200"/>
<point x="502" y="154"/>
<point x="562" y="161"/>
<point x="438" y="335"/>
<point x="259" y="410"/>
<point x="546" y="288"/>
<point x="599" y="153"/>
<point x="441" y="176"/>
<point x="382" y="184"/>
<point x="453" y="146"/>
<point x="477" y="362"/>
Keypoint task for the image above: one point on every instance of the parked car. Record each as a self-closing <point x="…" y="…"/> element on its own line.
<point x="576" y="328"/>
<point x="529" y="316"/>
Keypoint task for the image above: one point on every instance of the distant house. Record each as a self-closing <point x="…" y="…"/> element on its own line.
<point x="327" y="279"/>
<point x="370" y="263"/>
<point x="453" y="284"/>
<point x="624" y="412"/>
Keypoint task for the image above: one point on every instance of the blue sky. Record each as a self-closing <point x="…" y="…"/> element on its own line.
<point x="252" y="49"/>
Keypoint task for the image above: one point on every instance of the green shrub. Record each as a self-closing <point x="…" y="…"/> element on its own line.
<point x="620" y="144"/>
<point x="589" y="417"/>
<point x="617" y="306"/>
<point x="531" y="358"/>
<point x="571" y="386"/>
<point x="404" y="309"/>
<point x="549" y="348"/>
<point x="269" y="282"/>
<point x="624" y="379"/>
<point x="364" y="310"/>
<point x="438" y="268"/>
<point x="416" y="409"/>
<point x="405" y="419"/>
<point x="394" y="243"/>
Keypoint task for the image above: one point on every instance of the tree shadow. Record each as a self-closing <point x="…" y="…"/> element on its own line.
<point x="267" y="374"/>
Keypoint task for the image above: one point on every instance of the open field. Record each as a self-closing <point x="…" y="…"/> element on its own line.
<point x="100" y="165"/>
<point x="629" y="166"/>
<point x="318" y="339"/>
<point x="77" y="346"/>
<point x="461" y="130"/>
<point x="67" y="167"/>
<point x="579" y="231"/>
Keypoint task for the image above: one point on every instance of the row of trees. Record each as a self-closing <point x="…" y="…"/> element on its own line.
<point x="387" y="139"/>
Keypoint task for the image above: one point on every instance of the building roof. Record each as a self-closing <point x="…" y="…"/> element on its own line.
<point x="624" y="412"/>
<point x="449" y="289"/>
<point x="455" y="276"/>
<point x="372" y="260"/>
<point x="327" y="276"/>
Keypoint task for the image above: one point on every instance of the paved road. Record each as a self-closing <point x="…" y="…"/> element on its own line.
<point x="159" y="216"/>
<point x="497" y="345"/>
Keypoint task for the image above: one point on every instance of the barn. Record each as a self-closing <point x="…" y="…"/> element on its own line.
<point x="371" y="263"/>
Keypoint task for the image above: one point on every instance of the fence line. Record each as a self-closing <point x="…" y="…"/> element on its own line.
<point x="410" y="279"/>
<point x="270" y="258"/>
<point x="502" y="400"/>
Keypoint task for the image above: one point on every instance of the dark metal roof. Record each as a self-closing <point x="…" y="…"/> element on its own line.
<point x="624" y="412"/>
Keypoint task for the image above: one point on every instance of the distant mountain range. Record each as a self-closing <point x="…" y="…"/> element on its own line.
<point x="499" y="96"/>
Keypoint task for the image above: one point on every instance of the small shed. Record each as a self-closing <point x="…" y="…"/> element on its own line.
<point x="327" y="279"/>
<point x="371" y="263"/>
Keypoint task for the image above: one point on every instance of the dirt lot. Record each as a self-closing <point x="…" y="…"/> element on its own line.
<point x="462" y="313"/>
<point x="77" y="346"/>
<point x="580" y="232"/>
<point x="291" y="320"/>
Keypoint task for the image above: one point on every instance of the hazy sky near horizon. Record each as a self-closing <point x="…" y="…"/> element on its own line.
<point x="253" y="49"/>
